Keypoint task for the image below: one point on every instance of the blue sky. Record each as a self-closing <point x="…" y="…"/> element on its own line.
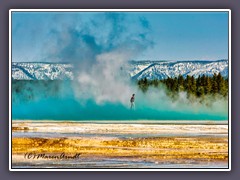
<point x="54" y="36"/>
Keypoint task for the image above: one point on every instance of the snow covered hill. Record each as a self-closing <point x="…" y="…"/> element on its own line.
<point x="164" y="69"/>
<point x="41" y="71"/>
<point x="135" y="69"/>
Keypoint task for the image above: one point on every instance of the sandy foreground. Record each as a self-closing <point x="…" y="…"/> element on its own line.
<point x="51" y="144"/>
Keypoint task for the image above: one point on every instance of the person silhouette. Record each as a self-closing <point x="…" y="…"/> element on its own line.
<point x="132" y="101"/>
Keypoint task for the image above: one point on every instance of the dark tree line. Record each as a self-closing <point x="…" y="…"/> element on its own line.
<point x="30" y="90"/>
<point x="198" y="87"/>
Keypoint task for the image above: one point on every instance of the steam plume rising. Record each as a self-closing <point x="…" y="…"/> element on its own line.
<point x="99" y="48"/>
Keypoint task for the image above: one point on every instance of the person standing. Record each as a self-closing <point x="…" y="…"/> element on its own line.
<point x="132" y="101"/>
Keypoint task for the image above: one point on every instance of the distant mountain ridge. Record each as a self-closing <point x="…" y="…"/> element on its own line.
<point x="164" y="69"/>
<point x="41" y="71"/>
<point x="135" y="69"/>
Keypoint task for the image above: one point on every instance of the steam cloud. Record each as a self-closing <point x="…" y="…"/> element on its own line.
<point x="98" y="49"/>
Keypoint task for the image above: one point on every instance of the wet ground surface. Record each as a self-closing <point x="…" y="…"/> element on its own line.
<point x="120" y="145"/>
